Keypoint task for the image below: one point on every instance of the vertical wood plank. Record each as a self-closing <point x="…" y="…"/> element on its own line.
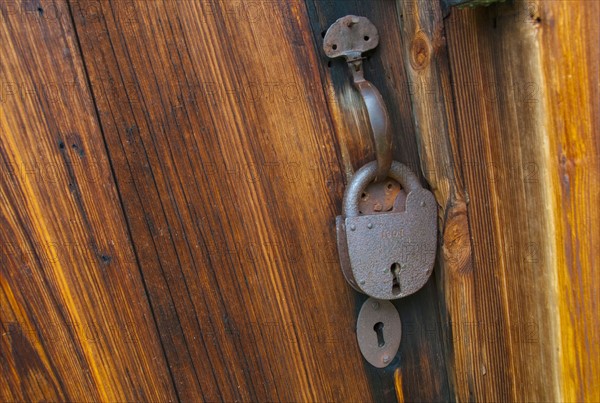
<point x="500" y="114"/>
<point x="425" y="57"/>
<point x="569" y="35"/>
<point x="76" y="324"/>
<point x="224" y="154"/>
<point x="523" y="328"/>
<point x="498" y="140"/>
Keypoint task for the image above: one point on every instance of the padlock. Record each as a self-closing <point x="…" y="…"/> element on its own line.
<point x="387" y="255"/>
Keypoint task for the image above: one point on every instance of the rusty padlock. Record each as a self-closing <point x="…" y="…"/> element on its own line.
<point x="387" y="255"/>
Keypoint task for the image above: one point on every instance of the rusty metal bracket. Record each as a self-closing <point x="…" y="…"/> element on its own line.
<point x="350" y="37"/>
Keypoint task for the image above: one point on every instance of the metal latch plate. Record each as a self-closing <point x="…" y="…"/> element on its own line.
<point x="378" y="330"/>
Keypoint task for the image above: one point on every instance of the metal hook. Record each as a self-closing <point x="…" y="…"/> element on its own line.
<point x="350" y="37"/>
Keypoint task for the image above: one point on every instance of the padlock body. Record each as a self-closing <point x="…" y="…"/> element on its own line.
<point x="379" y="245"/>
<point x="342" y="244"/>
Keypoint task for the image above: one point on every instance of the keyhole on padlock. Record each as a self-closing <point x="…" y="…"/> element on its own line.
<point x="378" y="328"/>
<point x="396" y="279"/>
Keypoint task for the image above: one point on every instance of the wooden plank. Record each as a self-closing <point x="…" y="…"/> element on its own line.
<point x="425" y="58"/>
<point x="468" y="3"/>
<point x="530" y="169"/>
<point x="569" y="34"/>
<point x="224" y="153"/>
<point x="76" y="324"/>
<point x="421" y="365"/>
<point x="509" y="329"/>
<point x="207" y="165"/>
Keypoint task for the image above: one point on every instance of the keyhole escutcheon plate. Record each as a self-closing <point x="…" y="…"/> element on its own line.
<point x="378" y="330"/>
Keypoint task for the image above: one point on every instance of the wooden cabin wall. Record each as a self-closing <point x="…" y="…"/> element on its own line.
<point x="505" y="102"/>
<point x="171" y="171"/>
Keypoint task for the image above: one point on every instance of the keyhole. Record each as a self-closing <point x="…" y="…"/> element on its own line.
<point x="378" y="328"/>
<point x="396" y="279"/>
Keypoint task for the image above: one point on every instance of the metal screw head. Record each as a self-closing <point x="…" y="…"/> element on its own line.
<point x="369" y="225"/>
<point x="362" y="282"/>
<point x="352" y="227"/>
<point x="422" y="204"/>
<point x="386" y="359"/>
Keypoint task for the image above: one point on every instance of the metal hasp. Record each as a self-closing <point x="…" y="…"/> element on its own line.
<point x="387" y="233"/>
<point x="350" y="37"/>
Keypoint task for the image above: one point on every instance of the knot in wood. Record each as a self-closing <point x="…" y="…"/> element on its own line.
<point x="420" y="52"/>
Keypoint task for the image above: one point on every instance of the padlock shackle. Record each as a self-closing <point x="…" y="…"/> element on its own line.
<point x="365" y="175"/>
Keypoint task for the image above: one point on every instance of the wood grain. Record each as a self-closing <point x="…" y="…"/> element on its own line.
<point x="424" y="52"/>
<point x="507" y="333"/>
<point x="224" y="153"/>
<point x="571" y="69"/>
<point x="530" y="171"/>
<point x="76" y="324"/>
<point x="221" y="173"/>
<point x="171" y="171"/>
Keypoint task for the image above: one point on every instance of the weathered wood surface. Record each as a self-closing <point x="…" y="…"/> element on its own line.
<point x="76" y="323"/>
<point x="426" y="62"/>
<point x="507" y="119"/>
<point x="171" y="171"/>
<point x="222" y="167"/>
<point x="223" y="152"/>
<point x="504" y="337"/>
<point x="570" y="54"/>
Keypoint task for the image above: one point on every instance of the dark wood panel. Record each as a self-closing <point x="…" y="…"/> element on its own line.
<point x="419" y="372"/>
<point x="76" y="324"/>
<point x="225" y="157"/>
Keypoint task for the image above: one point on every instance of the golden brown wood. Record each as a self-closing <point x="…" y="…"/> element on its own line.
<point x="171" y="171"/>
<point x="76" y="325"/>
<point x="223" y="150"/>
<point x="425" y="58"/>
<point x="508" y="330"/>
<point x="569" y="35"/>
<point x="209" y="128"/>
<point x="517" y="266"/>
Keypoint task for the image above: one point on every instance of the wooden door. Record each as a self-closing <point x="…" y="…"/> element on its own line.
<point x="171" y="173"/>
